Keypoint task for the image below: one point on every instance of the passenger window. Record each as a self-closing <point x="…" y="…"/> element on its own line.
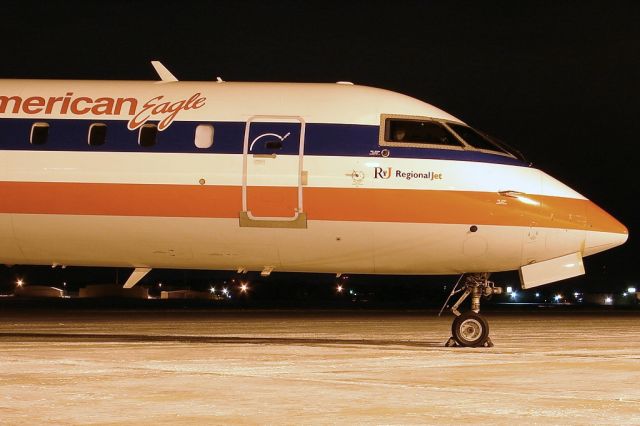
<point x="97" y="134"/>
<point x="204" y="136"/>
<point x="39" y="133"/>
<point x="148" y="134"/>
<point x="418" y="132"/>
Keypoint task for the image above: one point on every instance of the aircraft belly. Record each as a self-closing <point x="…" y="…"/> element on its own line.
<point x="203" y="243"/>
<point x="446" y="248"/>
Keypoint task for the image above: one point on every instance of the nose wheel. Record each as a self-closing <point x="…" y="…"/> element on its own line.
<point x="470" y="329"/>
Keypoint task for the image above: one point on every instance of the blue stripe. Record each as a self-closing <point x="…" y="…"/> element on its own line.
<point x="320" y="139"/>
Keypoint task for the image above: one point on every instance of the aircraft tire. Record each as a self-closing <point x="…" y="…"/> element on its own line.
<point x="470" y="329"/>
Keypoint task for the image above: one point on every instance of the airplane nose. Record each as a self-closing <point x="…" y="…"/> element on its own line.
<point x="603" y="231"/>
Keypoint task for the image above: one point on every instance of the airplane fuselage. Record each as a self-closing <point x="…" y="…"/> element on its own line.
<point x="294" y="177"/>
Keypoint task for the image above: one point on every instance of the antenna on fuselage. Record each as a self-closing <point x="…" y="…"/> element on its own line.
<point x="163" y="72"/>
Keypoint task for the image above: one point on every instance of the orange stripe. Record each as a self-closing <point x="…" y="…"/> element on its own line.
<point x="600" y="220"/>
<point x="415" y="206"/>
<point x="340" y="204"/>
<point x="120" y="199"/>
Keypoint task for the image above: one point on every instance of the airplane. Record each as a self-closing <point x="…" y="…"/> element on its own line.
<point x="314" y="177"/>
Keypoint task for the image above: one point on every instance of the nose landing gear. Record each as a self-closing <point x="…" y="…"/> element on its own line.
<point x="470" y="328"/>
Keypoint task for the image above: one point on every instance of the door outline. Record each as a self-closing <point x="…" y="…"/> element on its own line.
<point x="247" y="219"/>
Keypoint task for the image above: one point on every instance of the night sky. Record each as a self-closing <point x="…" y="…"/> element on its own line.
<point x="558" y="80"/>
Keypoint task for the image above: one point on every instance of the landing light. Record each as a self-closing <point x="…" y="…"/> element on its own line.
<point x="537" y="294"/>
<point x="557" y="297"/>
<point x="514" y="295"/>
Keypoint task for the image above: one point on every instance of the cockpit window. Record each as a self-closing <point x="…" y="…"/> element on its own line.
<point x="418" y="132"/>
<point x="475" y="139"/>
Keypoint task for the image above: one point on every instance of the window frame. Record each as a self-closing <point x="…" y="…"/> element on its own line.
<point x="383" y="136"/>
<point x="89" y="133"/>
<point x="488" y="151"/>
<point x="155" y="139"/>
<point x="464" y="146"/>
<point x="195" y="135"/>
<point x="41" y="124"/>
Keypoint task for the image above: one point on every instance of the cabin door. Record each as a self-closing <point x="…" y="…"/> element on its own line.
<point x="272" y="172"/>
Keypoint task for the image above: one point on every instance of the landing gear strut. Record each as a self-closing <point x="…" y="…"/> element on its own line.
<point x="470" y="328"/>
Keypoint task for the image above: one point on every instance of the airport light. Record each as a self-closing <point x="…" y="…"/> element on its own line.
<point x="557" y="297"/>
<point x="631" y="290"/>
<point x="537" y="294"/>
<point x="339" y="288"/>
<point x="514" y="295"/>
<point x="19" y="282"/>
<point x="213" y="290"/>
<point x="624" y="294"/>
<point x="225" y="291"/>
<point x="244" y="287"/>
<point x="608" y="300"/>
<point x="509" y="290"/>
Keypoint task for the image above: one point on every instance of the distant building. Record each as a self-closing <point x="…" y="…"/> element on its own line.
<point x="38" y="291"/>
<point x="189" y="294"/>
<point x="113" y="291"/>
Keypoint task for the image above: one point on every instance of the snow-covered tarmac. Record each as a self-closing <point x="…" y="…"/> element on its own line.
<point x="324" y="367"/>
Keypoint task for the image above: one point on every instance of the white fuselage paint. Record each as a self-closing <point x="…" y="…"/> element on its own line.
<point x="386" y="246"/>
